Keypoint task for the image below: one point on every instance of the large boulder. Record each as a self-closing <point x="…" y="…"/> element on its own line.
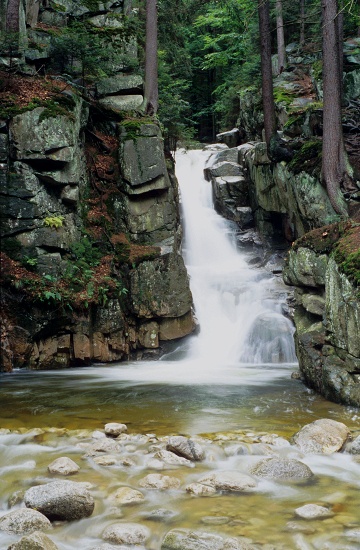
<point x="185" y="447"/>
<point x="35" y="541"/>
<point x="126" y="533"/>
<point x="323" y="436"/>
<point x="61" y="500"/>
<point x="158" y="481"/>
<point x="24" y="521"/>
<point x="282" y="469"/>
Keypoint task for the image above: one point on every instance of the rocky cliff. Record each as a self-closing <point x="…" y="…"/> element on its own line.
<point x="91" y="265"/>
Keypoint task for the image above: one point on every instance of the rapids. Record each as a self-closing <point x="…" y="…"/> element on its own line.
<point x="229" y="384"/>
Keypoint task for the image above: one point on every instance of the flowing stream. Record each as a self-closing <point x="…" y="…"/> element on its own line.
<point x="230" y="385"/>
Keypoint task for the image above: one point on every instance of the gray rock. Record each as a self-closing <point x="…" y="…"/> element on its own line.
<point x="185" y="447"/>
<point x="63" y="466"/>
<point x="63" y="500"/>
<point x="200" y="490"/>
<point x="161" y="515"/>
<point x="313" y="511"/>
<point x="23" y="521"/>
<point x="122" y="102"/>
<point x="231" y="138"/>
<point x="119" y="83"/>
<point x="159" y="481"/>
<point x="184" y="539"/>
<point x="173" y="459"/>
<point x="35" y="541"/>
<point x="229" y="481"/>
<point x="127" y="495"/>
<point x="353" y="447"/>
<point x="285" y="469"/>
<point x="323" y="436"/>
<point x="114" y="429"/>
<point x="126" y="533"/>
<point x="225" y="169"/>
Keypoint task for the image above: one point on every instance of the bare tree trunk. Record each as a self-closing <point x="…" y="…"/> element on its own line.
<point x="12" y="16"/>
<point x="280" y="37"/>
<point x="302" y="22"/>
<point x="333" y="151"/>
<point x="151" y="60"/>
<point x="266" y="71"/>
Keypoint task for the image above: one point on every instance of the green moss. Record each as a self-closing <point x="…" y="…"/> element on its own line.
<point x="58" y="7"/>
<point x="281" y="95"/>
<point x="317" y="68"/>
<point x="59" y="106"/>
<point x="308" y="158"/>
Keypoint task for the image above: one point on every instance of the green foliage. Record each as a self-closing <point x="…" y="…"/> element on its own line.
<point x="85" y="254"/>
<point x="60" y="106"/>
<point x="54" y="221"/>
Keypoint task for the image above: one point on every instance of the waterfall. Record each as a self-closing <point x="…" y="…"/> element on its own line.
<point x="236" y="305"/>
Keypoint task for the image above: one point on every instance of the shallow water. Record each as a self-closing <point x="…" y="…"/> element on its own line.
<point x="230" y="385"/>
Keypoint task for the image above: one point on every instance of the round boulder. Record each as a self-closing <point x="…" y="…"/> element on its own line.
<point x="313" y="511"/>
<point x="113" y="429"/>
<point x="126" y="533"/>
<point x="185" y="447"/>
<point x="286" y="469"/>
<point x="324" y="436"/>
<point x="126" y="495"/>
<point x="61" y="500"/>
<point x="200" y="490"/>
<point x="353" y="447"/>
<point x="35" y="541"/>
<point x="23" y="521"/>
<point x="63" y="466"/>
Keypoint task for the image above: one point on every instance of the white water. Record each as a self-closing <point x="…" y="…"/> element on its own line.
<point x="240" y="320"/>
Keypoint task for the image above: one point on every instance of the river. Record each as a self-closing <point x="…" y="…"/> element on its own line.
<point x="229" y="383"/>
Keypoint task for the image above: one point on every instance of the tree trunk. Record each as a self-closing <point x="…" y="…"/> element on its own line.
<point x="12" y="16"/>
<point x="266" y="71"/>
<point x="151" y="99"/>
<point x="333" y="151"/>
<point x="280" y="37"/>
<point x="302" y="22"/>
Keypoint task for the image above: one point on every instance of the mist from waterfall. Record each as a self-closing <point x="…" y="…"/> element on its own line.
<point x="236" y="305"/>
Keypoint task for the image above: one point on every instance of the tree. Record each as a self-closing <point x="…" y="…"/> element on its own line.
<point x="302" y="22"/>
<point x="12" y="16"/>
<point x="280" y="37"/>
<point x="266" y="72"/>
<point x="334" y="171"/>
<point x="151" y="98"/>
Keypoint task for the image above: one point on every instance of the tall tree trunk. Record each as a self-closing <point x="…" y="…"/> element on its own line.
<point x="280" y="36"/>
<point x="333" y="151"/>
<point x="302" y="22"/>
<point x="266" y="71"/>
<point x="12" y="16"/>
<point x="151" y="99"/>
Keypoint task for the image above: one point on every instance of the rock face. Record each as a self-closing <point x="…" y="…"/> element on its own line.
<point x="61" y="500"/>
<point x="65" y="174"/>
<point x="327" y="312"/>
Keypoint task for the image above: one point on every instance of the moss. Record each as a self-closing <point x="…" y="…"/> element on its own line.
<point x="308" y="158"/>
<point x="281" y="95"/>
<point x="317" y="68"/>
<point x="59" y="106"/>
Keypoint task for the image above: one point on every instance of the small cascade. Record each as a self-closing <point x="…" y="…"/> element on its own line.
<point x="239" y="316"/>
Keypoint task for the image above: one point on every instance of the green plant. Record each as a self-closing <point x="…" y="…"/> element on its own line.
<point x="54" y="221"/>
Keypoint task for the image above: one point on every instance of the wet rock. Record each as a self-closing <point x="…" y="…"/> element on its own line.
<point x="35" y="541"/>
<point x="282" y="469"/>
<point x="215" y="520"/>
<point x="126" y="495"/>
<point x="184" y="539"/>
<point x="185" y="447"/>
<point x="63" y="466"/>
<point x="161" y="514"/>
<point x="102" y="446"/>
<point x="322" y="436"/>
<point x="313" y="511"/>
<point x="158" y="481"/>
<point x="24" y="521"/>
<point x="114" y="429"/>
<point x="126" y="533"/>
<point x="353" y="447"/>
<point x="105" y="460"/>
<point x="239" y="544"/>
<point x="301" y="527"/>
<point x="61" y="500"/>
<point x="173" y="459"/>
<point x="200" y="490"/>
<point x="229" y="481"/>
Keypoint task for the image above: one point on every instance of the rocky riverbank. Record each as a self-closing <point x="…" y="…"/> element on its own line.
<point x="111" y="489"/>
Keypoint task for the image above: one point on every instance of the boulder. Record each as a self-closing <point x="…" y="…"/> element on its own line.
<point x="122" y="102"/>
<point x="353" y="447"/>
<point x="200" y="490"/>
<point x="185" y="447"/>
<point x="35" y="541"/>
<point x="173" y="459"/>
<point x="127" y="495"/>
<point x="119" y="83"/>
<point x="158" y="481"/>
<point x="231" y="138"/>
<point x="63" y="466"/>
<point x="184" y="539"/>
<point x="114" y="429"/>
<point x="61" y="500"/>
<point x="23" y="521"/>
<point x="283" y="469"/>
<point x="313" y="511"/>
<point x="323" y="436"/>
<point x="229" y="481"/>
<point x="126" y="533"/>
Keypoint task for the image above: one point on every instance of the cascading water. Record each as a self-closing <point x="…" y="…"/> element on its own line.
<point x="237" y="306"/>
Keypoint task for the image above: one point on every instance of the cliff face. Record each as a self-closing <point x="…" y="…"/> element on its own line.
<point x="91" y="265"/>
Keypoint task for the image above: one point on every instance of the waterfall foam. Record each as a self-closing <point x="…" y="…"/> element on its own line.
<point x="238" y="318"/>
